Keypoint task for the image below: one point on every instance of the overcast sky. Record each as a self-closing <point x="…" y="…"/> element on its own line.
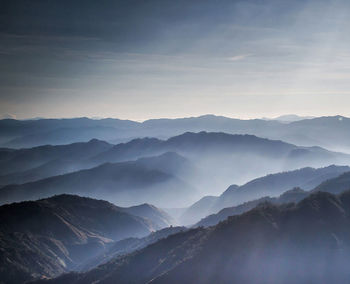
<point x="172" y="58"/>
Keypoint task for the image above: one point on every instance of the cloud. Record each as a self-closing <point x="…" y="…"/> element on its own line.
<point x="238" y="57"/>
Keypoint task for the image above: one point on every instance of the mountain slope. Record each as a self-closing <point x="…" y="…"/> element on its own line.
<point x="158" y="216"/>
<point x="304" y="243"/>
<point x="198" y="210"/>
<point x="128" y="246"/>
<point x="271" y="185"/>
<point x="15" y="161"/>
<point x="293" y="195"/>
<point x="335" y="185"/>
<point x="123" y="183"/>
<point x="49" y="169"/>
<point x="276" y="184"/>
<point x="51" y="236"/>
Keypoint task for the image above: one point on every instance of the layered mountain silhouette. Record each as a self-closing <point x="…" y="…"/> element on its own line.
<point x="222" y="158"/>
<point x="275" y="184"/>
<point x="285" y="220"/>
<point x="335" y="185"/>
<point x="268" y="186"/>
<point x="209" y="143"/>
<point x="330" y="132"/>
<point x="332" y="185"/>
<point x="51" y="236"/>
<point x="144" y="180"/>
<point x="307" y="242"/>
<point x="18" y="166"/>
<point x="209" y="161"/>
<point x="31" y="133"/>
<point x="293" y="195"/>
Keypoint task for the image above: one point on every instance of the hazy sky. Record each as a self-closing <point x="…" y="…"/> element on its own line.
<point x="170" y="58"/>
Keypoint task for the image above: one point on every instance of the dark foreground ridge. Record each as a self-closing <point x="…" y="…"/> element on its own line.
<point x="308" y="242"/>
<point x="48" y="237"/>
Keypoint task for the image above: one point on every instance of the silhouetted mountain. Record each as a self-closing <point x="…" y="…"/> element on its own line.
<point x="194" y="144"/>
<point x="241" y="157"/>
<point x="276" y="184"/>
<point x="330" y="132"/>
<point x="49" y="169"/>
<point x="270" y="185"/>
<point x="31" y="133"/>
<point x="293" y="195"/>
<point x="306" y="242"/>
<point x="124" y="183"/>
<point x="51" y="236"/>
<point x="23" y="161"/>
<point x="169" y="162"/>
<point x="335" y="185"/>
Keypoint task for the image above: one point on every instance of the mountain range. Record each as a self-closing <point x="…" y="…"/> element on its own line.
<point x="167" y="173"/>
<point x="125" y="183"/>
<point x="307" y="242"/>
<point x="262" y="188"/>
<point x="329" y="132"/>
<point x="44" y="161"/>
<point x="334" y="185"/>
<point x="55" y="235"/>
<point x="284" y="217"/>
<point x="64" y="233"/>
<point x="240" y="157"/>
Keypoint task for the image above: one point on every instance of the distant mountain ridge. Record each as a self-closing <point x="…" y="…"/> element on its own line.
<point x="306" y="132"/>
<point x="241" y="157"/>
<point x="165" y="171"/>
<point x="15" y="161"/>
<point x="132" y="182"/>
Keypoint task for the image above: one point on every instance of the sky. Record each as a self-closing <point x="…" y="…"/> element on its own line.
<point x="140" y="59"/>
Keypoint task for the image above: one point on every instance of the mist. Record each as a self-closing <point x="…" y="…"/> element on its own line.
<point x="167" y="141"/>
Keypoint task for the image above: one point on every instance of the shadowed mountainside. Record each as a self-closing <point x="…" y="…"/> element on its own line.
<point x="129" y="245"/>
<point x="24" y="165"/>
<point x="333" y="185"/>
<point x="127" y="183"/>
<point x="271" y="185"/>
<point x="308" y="242"/>
<point x="293" y="195"/>
<point x="51" y="236"/>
